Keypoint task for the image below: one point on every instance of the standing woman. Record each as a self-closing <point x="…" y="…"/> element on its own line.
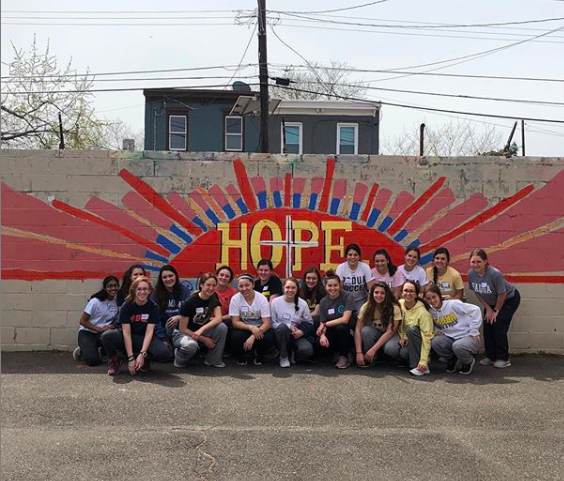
<point x="98" y="317"/>
<point x="500" y="300"/>
<point x="292" y="324"/>
<point x="268" y="283"/>
<point x="378" y="321"/>
<point x="413" y="342"/>
<point x="448" y="279"/>
<point x="250" y="315"/>
<point x="169" y="295"/>
<point x="457" y="329"/>
<point x="135" y="271"/>
<point x="201" y="325"/>
<point x="137" y="316"/>
<point x="411" y="270"/>
<point x="312" y="291"/>
<point x="335" y="312"/>
<point x="386" y="271"/>
<point x="355" y="276"/>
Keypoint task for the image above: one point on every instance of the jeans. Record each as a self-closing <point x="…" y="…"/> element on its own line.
<point x="286" y="343"/>
<point x="89" y="342"/>
<point x="114" y="343"/>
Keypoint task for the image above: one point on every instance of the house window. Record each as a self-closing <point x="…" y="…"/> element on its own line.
<point x="347" y="139"/>
<point x="234" y="133"/>
<point x="177" y="132"/>
<point x="291" y="138"/>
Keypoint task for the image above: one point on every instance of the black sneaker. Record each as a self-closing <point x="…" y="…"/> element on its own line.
<point x="467" y="369"/>
<point x="258" y="360"/>
<point x="451" y="365"/>
<point x="146" y="366"/>
<point x="242" y="361"/>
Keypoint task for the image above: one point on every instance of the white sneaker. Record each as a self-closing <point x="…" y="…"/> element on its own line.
<point x="486" y="362"/>
<point x="77" y="354"/>
<point x="220" y="365"/>
<point x="284" y="362"/>
<point x="502" y="364"/>
<point x="417" y="372"/>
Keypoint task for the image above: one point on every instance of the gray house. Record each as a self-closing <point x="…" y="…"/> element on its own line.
<point x="228" y="120"/>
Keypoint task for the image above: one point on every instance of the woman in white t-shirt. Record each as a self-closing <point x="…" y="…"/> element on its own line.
<point x="98" y="317"/>
<point x="292" y="324"/>
<point x="250" y="315"/>
<point x="356" y="277"/>
<point x="411" y="270"/>
<point x="386" y="271"/>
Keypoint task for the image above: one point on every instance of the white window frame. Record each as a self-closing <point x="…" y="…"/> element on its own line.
<point x="291" y="124"/>
<point x="170" y="131"/>
<point x="339" y="125"/>
<point x="225" y="134"/>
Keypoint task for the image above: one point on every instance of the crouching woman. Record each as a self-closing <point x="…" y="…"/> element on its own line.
<point x="457" y="324"/>
<point x="138" y="316"/>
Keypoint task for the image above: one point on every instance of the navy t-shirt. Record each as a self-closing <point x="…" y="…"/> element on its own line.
<point x="139" y="316"/>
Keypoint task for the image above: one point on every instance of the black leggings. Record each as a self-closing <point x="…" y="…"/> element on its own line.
<point x="496" y="344"/>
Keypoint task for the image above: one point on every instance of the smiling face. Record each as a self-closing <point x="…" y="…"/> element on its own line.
<point x="264" y="273"/>
<point x="353" y="258"/>
<point x="478" y="264"/>
<point x="381" y="263"/>
<point x="434" y="300"/>
<point x="311" y="280"/>
<point x="290" y="290"/>
<point x="137" y="272"/>
<point x="409" y="293"/>
<point x="169" y="279"/>
<point x="411" y="259"/>
<point x="224" y="278"/>
<point x="245" y="287"/>
<point x="379" y="295"/>
<point x="333" y="288"/>
<point x="111" y="289"/>
<point x="142" y="292"/>
<point x="441" y="262"/>
<point x="208" y="287"/>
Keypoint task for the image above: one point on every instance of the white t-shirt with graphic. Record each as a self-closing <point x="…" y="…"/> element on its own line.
<point x="101" y="313"/>
<point x="251" y="314"/>
<point x="354" y="281"/>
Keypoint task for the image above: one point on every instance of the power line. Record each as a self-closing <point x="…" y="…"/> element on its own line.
<point x="430" y="109"/>
<point x="353" y="7"/>
<point x="144" y="79"/>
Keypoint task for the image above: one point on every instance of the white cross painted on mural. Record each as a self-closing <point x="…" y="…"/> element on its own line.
<point x="289" y="244"/>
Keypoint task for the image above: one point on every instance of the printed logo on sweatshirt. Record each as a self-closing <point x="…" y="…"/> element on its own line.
<point x="354" y="283"/>
<point x="444" y="322"/>
<point x="481" y="288"/>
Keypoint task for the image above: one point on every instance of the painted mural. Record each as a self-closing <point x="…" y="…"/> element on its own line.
<point x="296" y="222"/>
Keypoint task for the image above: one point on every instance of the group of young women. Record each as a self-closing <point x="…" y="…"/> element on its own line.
<point x="388" y="312"/>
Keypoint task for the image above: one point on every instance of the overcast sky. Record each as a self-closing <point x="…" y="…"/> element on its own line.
<point x="124" y="36"/>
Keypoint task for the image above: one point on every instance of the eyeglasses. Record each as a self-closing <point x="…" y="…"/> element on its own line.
<point x="408" y="291"/>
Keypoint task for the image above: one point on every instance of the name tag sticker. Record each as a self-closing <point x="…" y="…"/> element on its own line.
<point x="199" y="310"/>
<point x="265" y="288"/>
<point x="244" y="308"/>
<point x="144" y="317"/>
<point x="331" y="311"/>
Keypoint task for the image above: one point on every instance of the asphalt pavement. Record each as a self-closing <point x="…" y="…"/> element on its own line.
<point x="62" y="420"/>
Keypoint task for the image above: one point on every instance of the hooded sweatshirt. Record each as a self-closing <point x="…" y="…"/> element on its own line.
<point x="457" y="319"/>
<point x="418" y="316"/>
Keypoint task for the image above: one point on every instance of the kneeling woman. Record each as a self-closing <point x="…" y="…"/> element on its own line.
<point x="201" y="325"/>
<point x="98" y="317"/>
<point x="137" y="316"/>
<point x="457" y="329"/>
<point x="377" y="323"/>
<point x="335" y="312"/>
<point x="415" y="333"/>
<point x="250" y="315"/>
<point x="292" y="324"/>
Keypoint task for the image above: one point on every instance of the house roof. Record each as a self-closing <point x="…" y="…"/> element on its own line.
<point x="195" y="93"/>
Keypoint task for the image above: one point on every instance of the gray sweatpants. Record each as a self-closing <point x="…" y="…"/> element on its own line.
<point x="186" y="347"/>
<point x="411" y="352"/>
<point x="464" y="349"/>
<point x="301" y="347"/>
<point x="370" y="336"/>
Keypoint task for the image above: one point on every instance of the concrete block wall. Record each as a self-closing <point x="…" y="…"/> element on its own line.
<point x="54" y="259"/>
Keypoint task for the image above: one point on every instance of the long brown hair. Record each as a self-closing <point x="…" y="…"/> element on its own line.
<point x="387" y="310"/>
<point x="305" y="294"/>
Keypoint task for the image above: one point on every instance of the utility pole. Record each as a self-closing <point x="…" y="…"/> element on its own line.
<point x="263" y="76"/>
<point x="523" y="137"/>
<point x="421" y="140"/>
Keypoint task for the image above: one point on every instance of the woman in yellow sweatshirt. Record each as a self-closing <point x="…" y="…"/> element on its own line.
<point x="413" y="342"/>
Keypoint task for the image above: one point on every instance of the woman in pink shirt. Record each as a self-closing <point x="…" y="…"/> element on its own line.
<point x="385" y="271"/>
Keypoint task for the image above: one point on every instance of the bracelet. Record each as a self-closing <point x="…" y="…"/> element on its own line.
<point x="131" y="358"/>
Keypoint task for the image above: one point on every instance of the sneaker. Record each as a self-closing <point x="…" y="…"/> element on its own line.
<point x="114" y="365"/>
<point x="284" y="362"/>
<point x="502" y="364"/>
<point x="220" y="365"/>
<point x="292" y="358"/>
<point x="451" y="365"/>
<point x="258" y="360"/>
<point x="467" y="368"/>
<point x="486" y="362"/>
<point x="417" y="372"/>
<point x="77" y="354"/>
<point x="242" y="361"/>
<point x="146" y="366"/>
<point x="342" y="362"/>
<point x="177" y="364"/>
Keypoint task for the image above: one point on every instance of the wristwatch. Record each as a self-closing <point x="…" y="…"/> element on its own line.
<point x="143" y="353"/>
